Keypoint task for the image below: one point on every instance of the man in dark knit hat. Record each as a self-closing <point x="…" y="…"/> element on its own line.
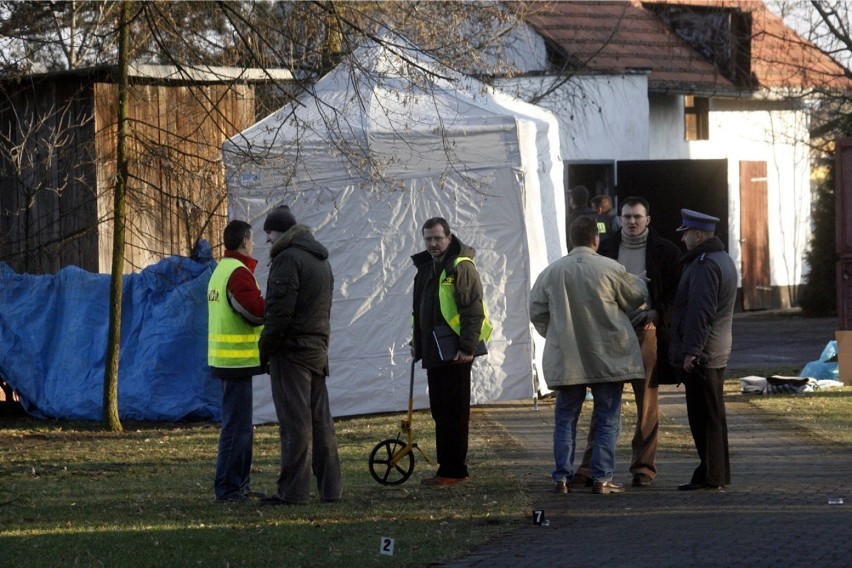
<point x="294" y="341"/>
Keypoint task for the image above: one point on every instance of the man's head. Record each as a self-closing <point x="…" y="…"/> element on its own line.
<point x="601" y="204"/>
<point x="635" y="216"/>
<point x="437" y="236"/>
<point x="579" y="197"/>
<point x="584" y="232"/>
<point x="278" y="222"/>
<point x="696" y="227"/>
<point x="238" y="237"/>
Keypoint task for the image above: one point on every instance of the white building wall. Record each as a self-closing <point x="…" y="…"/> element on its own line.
<point x="612" y="117"/>
<point x="601" y="118"/>
<point x="741" y="131"/>
<point x="665" y="139"/>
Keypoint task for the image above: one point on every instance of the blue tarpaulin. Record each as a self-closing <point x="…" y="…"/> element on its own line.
<point x="826" y="366"/>
<point x="53" y="335"/>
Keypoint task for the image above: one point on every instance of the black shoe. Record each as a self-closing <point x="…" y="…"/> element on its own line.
<point x="275" y="500"/>
<point x="580" y="480"/>
<point x="642" y="480"/>
<point x="254" y="494"/>
<point x="272" y="500"/>
<point x="695" y="486"/>
<point x="232" y="498"/>
<point x="443" y="481"/>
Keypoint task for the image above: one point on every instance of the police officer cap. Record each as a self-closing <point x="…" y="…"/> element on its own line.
<point x="695" y="220"/>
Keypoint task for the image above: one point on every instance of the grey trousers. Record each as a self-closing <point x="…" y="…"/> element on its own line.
<point x="304" y="421"/>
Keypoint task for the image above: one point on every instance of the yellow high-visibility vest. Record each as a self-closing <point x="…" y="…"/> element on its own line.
<point x="450" y="311"/>
<point x="231" y="340"/>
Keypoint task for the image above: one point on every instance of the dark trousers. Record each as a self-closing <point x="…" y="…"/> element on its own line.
<point x="233" y="462"/>
<point x="305" y="424"/>
<point x="705" y="406"/>
<point x="449" y="399"/>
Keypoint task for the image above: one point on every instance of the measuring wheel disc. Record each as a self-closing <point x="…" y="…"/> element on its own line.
<point x="381" y="463"/>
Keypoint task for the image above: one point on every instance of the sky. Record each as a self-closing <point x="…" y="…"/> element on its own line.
<point x="803" y="17"/>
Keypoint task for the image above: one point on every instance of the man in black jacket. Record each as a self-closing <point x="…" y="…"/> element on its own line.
<point x="295" y="343"/>
<point x="642" y="251"/>
<point x="578" y="205"/>
<point x="608" y="221"/>
<point x="447" y="266"/>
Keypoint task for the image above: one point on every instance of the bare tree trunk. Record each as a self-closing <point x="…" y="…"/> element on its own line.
<point x="111" y="417"/>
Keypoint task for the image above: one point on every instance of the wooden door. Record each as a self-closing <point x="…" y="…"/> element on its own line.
<point x="754" y="236"/>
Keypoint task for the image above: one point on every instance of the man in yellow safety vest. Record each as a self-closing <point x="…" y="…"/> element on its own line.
<point x="448" y="294"/>
<point x="235" y="308"/>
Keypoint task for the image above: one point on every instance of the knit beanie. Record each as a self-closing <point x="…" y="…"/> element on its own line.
<point x="279" y="219"/>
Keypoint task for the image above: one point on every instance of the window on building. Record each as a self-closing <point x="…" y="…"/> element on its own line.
<point x="696" y="118"/>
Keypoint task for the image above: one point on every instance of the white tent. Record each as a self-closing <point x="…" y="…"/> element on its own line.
<point x="380" y="145"/>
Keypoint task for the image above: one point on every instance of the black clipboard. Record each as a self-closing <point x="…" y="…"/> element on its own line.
<point x="447" y="342"/>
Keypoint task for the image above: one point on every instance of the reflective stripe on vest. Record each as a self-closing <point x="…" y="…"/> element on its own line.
<point x="449" y="309"/>
<point x="231" y="340"/>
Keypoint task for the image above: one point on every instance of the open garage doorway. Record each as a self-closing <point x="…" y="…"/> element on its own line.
<point x="598" y="177"/>
<point x="672" y="185"/>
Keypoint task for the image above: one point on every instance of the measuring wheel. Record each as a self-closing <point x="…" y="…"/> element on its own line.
<point x="382" y="466"/>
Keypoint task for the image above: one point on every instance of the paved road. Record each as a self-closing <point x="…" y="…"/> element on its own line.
<point x="777" y="511"/>
<point x="778" y="339"/>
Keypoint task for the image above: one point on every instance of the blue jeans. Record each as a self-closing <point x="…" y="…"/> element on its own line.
<point x="607" y="417"/>
<point x="233" y="464"/>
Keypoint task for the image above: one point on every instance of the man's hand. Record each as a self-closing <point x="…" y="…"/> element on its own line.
<point x="652" y="317"/>
<point x="462" y="357"/>
<point x="689" y="363"/>
<point x="267" y="348"/>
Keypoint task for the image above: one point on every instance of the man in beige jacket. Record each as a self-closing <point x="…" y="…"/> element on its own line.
<point x="580" y="305"/>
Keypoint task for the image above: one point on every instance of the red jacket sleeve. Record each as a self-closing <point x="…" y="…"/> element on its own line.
<point x="245" y="296"/>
